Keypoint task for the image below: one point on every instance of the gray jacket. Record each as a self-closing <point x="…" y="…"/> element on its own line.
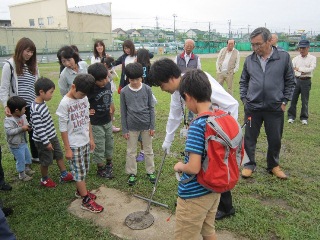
<point x="265" y="91"/>
<point x="15" y="134"/>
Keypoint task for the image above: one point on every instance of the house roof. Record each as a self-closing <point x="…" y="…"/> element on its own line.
<point x="132" y="30"/>
<point x="100" y="9"/>
<point x="118" y="30"/>
<point x="197" y="31"/>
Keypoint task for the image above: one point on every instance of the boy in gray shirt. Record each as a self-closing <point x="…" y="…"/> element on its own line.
<point x="137" y="116"/>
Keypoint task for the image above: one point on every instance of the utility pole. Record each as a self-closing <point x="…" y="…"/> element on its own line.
<point x="209" y="37"/>
<point x="249" y="29"/>
<point x="157" y="28"/>
<point x="174" y="27"/>
<point x="229" y="22"/>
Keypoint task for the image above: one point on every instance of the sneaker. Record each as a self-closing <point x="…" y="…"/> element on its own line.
<point x="132" y="179"/>
<point x="68" y="178"/>
<point x="35" y="160"/>
<point x="92" y="206"/>
<point x="304" y="122"/>
<point x="109" y="171"/>
<point x="115" y="129"/>
<point x="290" y="120"/>
<point x="7" y="211"/>
<point x="29" y="171"/>
<point x="5" y="187"/>
<point x="48" y="183"/>
<point x="140" y="157"/>
<point x="152" y="178"/>
<point x="25" y="177"/>
<point x="91" y="195"/>
<point x="106" y="172"/>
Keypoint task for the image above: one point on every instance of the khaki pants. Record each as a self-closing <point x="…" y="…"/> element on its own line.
<point x="228" y="77"/>
<point x="131" y="163"/>
<point x="196" y="216"/>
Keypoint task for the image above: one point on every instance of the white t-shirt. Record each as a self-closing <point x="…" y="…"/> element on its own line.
<point x="74" y="119"/>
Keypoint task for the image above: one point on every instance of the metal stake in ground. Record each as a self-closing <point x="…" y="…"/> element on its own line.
<point x="144" y="219"/>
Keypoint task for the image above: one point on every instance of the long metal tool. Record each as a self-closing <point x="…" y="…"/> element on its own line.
<point x="144" y="219"/>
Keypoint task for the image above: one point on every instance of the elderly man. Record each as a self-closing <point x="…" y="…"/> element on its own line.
<point x="274" y="41"/>
<point x="187" y="59"/>
<point x="303" y="65"/>
<point x="227" y="64"/>
<point x="266" y="85"/>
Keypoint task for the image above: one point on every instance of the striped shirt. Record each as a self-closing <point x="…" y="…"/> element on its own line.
<point x="26" y="86"/>
<point x="42" y="124"/>
<point x="195" y="144"/>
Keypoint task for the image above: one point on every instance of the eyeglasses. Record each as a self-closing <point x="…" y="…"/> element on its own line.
<point x="257" y="45"/>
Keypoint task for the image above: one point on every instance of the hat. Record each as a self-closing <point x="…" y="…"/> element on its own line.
<point x="304" y="43"/>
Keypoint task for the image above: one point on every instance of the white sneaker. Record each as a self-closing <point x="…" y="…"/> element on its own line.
<point x="304" y="122"/>
<point x="35" y="160"/>
<point x="290" y="120"/>
<point x="29" y="171"/>
<point x="24" y="177"/>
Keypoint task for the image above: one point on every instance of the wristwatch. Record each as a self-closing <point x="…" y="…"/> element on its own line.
<point x="284" y="103"/>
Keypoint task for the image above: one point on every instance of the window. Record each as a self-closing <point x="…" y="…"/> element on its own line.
<point x="50" y="20"/>
<point x="31" y="22"/>
<point x="40" y="22"/>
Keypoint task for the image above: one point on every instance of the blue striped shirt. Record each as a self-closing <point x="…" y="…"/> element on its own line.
<point x="26" y="86"/>
<point x="195" y="144"/>
<point x="42" y="124"/>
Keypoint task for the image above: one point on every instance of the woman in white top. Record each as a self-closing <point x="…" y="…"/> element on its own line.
<point x="99" y="51"/>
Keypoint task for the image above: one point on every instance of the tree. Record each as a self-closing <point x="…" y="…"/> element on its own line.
<point x="318" y="37"/>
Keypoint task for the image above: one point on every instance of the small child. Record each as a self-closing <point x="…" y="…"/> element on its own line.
<point x="195" y="201"/>
<point x="16" y="127"/>
<point x="137" y="116"/>
<point x="44" y="134"/>
<point x="100" y="104"/>
<point x="76" y="133"/>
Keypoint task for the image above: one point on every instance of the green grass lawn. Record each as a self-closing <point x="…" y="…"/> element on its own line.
<point x="266" y="208"/>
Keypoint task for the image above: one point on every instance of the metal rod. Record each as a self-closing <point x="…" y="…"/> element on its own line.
<point x="157" y="180"/>
<point x="147" y="199"/>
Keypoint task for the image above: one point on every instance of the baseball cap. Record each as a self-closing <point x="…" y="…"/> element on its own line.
<point x="304" y="43"/>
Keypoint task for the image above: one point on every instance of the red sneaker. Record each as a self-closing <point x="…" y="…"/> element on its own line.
<point x="91" y="195"/>
<point x="48" y="183"/>
<point x="92" y="206"/>
<point x="68" y="178"/>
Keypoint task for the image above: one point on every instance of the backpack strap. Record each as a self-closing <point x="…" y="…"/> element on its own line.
<point x="11" y="79"/>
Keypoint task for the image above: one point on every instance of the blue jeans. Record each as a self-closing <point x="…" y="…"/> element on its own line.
<point x="22" y="156"/>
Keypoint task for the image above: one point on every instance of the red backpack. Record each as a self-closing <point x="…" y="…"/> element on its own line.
<point x="224" y="151"/>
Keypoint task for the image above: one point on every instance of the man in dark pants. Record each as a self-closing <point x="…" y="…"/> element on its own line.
<point x="167" y="75"/>
<point x="266" y="85"/>
<point x="303" y="66"/>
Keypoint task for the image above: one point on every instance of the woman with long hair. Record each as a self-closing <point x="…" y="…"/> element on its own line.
<point x="19" y="74"/>
<point x="99" y="51"/>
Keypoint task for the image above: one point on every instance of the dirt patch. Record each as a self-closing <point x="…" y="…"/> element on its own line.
<point x="118" y="205"/>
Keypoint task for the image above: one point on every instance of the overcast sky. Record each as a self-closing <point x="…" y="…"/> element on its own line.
<point x="277" y="15"/>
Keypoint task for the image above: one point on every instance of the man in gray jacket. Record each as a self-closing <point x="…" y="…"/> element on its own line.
<point x="266" y="85"/>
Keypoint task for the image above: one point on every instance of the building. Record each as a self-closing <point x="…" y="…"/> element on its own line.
<point x="54" y="14"/>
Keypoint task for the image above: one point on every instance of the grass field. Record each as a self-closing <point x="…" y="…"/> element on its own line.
<point x="266" y="208"/>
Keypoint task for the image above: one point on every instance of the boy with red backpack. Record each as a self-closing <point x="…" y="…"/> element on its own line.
<point x="196" y="205"/>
